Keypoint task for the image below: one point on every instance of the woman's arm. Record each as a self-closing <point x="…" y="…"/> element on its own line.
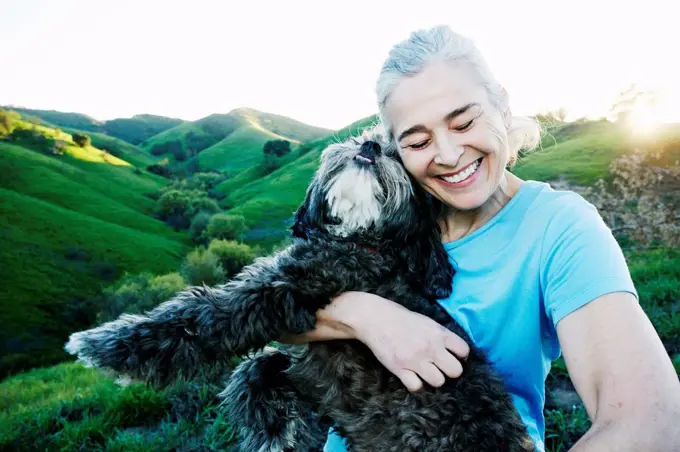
<point x="410" y="345"/>
<point x="623" y="375"/>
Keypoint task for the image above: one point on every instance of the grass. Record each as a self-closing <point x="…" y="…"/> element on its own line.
<point x="580" y="159"/>
<point x="68" y="407"/>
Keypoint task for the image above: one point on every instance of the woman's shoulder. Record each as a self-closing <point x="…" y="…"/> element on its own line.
<point x="559" y="208"/>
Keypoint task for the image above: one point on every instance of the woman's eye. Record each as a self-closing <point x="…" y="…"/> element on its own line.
<point x="419" y="145"/>
<point x="464" y="126"/>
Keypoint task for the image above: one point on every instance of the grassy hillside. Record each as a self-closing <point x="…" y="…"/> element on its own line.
<point x="133" y="130"/>
<point x="71" y="223"/>
<point x="228" y="142"/>
<point x="118" y="148"/>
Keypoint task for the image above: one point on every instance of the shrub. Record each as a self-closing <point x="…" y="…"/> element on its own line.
<point x="642" y="203"/>
<point x="202" y="267"/>
<point x="81" y="139"/>
<point x="202" y="204"/>
<point x="135" y="294"/>
<point x="198" y="226"/>
<point x="172" y="203"/>
<point x="277" y="148"/>
<point x="227" y="227"/>
<point x="232" y="255"/>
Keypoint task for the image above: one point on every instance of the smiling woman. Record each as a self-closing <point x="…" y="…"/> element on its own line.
<point x="538" y="273"/>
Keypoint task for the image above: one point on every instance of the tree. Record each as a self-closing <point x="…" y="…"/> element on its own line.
<point x="81" y="139"/>
<point x="227" y="227"/>
<point x="232" y="255"/>
<point x="202" y="267"/>
<point x="276" y="148"/>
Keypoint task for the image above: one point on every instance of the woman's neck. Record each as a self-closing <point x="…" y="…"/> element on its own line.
<point x="457" y="224"/>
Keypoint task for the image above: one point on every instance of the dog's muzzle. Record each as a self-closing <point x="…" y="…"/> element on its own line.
<point x="367" y="153"/>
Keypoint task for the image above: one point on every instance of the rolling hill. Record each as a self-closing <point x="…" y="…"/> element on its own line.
<point x="229" y="142"/>
<point x="133" y="130"/>
<point x="72" y="223"/>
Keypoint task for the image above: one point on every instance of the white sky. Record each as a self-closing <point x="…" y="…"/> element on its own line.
<point x="317" y="61"/>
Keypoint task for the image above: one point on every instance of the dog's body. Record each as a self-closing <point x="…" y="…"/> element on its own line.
<point x="364" y="226"/>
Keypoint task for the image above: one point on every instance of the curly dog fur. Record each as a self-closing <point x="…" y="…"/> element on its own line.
<point x="364" y="226"/>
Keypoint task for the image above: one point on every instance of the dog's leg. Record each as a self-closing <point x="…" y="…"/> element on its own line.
<point x="202" y="325"/>
<point x="266" y="411"/>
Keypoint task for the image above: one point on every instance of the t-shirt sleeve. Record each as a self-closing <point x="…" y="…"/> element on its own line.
<point x="581" y="259"/>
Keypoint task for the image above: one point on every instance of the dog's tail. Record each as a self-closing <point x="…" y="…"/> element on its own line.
<point x="265" y="408"/>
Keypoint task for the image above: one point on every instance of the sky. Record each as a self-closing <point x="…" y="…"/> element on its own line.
<point x="317" y="61"/>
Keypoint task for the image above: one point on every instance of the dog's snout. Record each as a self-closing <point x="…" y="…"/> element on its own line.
<point x="368" y="151"/>
<point x="370" y="148"/>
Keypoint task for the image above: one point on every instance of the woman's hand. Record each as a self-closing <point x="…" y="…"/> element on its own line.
<point x="410" y="345"/>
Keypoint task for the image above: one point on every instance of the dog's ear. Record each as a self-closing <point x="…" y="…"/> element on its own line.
<point x="311" y="214"/>
<point x="429" y="262"/>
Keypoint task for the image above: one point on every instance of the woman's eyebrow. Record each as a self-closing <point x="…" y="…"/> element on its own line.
<point x="449" y="117"/>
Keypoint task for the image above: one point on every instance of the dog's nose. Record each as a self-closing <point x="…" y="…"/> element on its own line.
<point x="368" y="152"/>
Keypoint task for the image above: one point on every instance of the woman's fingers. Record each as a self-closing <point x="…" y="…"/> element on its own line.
<point x="457" y="345"/>
<point x="448" y="364"/>
<point x="410" y="380"/>
<point x="431" y="374"/>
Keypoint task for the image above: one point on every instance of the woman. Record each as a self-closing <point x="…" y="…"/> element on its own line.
<point x="538" y="272"/>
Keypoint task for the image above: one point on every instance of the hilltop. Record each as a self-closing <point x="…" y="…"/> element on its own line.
<point x="229" y="142"/>
<point x="134" y="130"/>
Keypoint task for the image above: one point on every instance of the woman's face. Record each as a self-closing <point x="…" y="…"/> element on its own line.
<point x="451" y="139"/>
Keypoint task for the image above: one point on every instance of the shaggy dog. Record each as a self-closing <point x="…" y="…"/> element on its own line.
<point x="364" y="226"/>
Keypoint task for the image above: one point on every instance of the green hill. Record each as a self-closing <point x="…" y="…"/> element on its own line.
<point x="228" y="142"/>
<point x="134" y="130"/>
<point x="72" y="223"/>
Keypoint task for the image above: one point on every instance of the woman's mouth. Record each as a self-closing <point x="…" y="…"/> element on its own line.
<point x="463" y="177"/>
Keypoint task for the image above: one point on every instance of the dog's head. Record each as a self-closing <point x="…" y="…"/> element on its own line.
<point x="360" y="187"/>
<point x="362" y="192"/>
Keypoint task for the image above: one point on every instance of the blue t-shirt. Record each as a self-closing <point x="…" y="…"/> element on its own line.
<point x="544" y="255"/>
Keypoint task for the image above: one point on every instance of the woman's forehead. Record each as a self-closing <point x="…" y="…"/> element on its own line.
<point x="430" y="96"/>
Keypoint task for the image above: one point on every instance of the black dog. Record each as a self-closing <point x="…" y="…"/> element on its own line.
<point x="364" y="226"/>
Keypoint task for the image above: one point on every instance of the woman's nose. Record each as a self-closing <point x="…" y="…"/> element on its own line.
<point x="450" y="152"/>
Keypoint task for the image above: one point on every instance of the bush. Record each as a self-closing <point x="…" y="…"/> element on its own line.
<point x="232" y="255"/>
<point x="135" y="294"/>
<point x="202" y="204"/>
<point x="198" y="226"/>
<point x="277" y="148"/>
<point x="227" y="227"/>
<point x="202" y="267"/>
<point x="81" y="139"/>
<point x="172" y="203"/>
<point x="642" y="203"/>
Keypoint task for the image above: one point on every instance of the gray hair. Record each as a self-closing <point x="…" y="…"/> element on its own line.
<point x="440" y="43"/>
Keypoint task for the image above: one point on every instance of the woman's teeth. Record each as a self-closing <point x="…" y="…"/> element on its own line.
<point x="460" y="177"/>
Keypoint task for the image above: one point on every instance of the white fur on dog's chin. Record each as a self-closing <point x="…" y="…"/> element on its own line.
<point x="354" y="197"/>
